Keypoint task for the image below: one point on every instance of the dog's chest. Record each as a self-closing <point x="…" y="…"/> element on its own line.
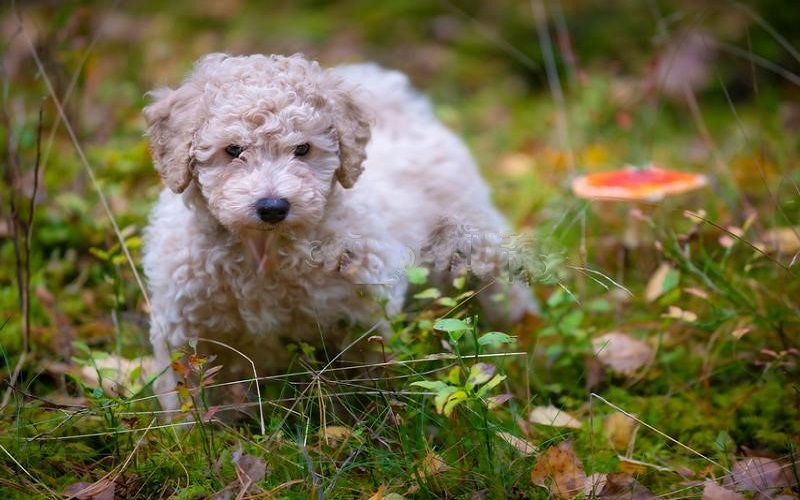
<point x="297" y="302"/>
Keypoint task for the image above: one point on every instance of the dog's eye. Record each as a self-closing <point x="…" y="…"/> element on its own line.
<point x="302" y="149"/>
<point x="234" y="150"/>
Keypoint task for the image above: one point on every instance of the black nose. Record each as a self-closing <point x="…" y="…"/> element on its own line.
<point x="272" y="210"/>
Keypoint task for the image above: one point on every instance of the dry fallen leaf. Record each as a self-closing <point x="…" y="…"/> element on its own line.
<point x="675" y="312"/>
<point x="516" y="164"/>
<point x="637" y="467"/>
<point x="741" y="332"/>
<point x="594" y="485"/>
<point x="781" y="240"/>
<point x="621" y="352"/>
<point x="335" y="433"/>
<point x="250" y="470"/>
<point x="553" y="417"/>
<point x="759" y="474"/>
<point x="560" y="471"/>
<point x="525" y="447"/>
<point x="615" y="486"/>
<point x="117" y="373"/>
<point x="433" y="464"/>
<point x="620" y="430"/>
<point x="697" y="292"/>
<point x="382" y="495"/>
<point x="657" y="285"/>
<point x="713" y="491"/>
<point x="102" y="489"/>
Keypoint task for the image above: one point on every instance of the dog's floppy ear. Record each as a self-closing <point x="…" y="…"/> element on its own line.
<point x="352" y="127"/>
<point x="172" y="119"/>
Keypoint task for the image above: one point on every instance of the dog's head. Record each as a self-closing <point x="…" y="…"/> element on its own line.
<point x="264" y="138"/>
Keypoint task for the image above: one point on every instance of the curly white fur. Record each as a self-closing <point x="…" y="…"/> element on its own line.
<point x="384" y="185"/>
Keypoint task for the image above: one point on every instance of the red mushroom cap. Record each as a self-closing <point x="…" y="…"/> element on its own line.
<point x="637" y="184"/>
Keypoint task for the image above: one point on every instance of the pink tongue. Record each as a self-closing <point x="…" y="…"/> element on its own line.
<point x="261" y="248"/>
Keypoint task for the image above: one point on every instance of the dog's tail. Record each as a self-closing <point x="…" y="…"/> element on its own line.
<point x="385" y="91"/>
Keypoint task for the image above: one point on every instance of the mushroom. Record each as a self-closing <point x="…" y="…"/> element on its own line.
<point x="637" y="185"/>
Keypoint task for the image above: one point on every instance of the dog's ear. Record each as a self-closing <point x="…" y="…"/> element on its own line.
<point x="352" y="127"/>
<point x="172" y="119"/>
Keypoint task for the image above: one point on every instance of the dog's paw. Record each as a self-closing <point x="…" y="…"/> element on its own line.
<point x="458" y="249"/>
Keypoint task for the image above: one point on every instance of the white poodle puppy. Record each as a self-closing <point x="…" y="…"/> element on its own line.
<point x="295" y="198"/>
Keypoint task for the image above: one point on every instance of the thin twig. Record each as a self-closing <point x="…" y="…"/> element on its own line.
<point x="255" y="377"/>
<point x="660" y="433"/>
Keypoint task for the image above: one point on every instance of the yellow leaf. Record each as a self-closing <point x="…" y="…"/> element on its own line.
<point x="454" y="400"/>
<point x="633" y="467"/>
<point x="620" y="430"/>
<point x="335" y="432"/>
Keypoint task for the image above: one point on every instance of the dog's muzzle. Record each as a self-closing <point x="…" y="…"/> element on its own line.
<point x="272" y="210"/>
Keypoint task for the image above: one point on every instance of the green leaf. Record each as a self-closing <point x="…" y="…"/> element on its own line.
<point x="133" y="242"/>
<point x="671" y="280"/>
<point x="82" y="346"/>
<point x="119" y="259"/>
<point x="433" y="385"/>
<point x="495" y="338"/>
<point x="571" y="321"/>
<point x="100" y="254"/>
<point x="454" y="376"/>
<point x="491" y="384"/>
<point x="135" y="374"/>
<point x="417" y="275"/>
<point x="447" y="302"/>
<point x="452" y="325"/>
<point x="428" y="293"/>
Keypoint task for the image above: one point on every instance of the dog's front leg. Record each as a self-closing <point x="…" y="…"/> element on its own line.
<point x="164" y="386"/>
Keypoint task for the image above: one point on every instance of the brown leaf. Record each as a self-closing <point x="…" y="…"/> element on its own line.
<point x="335" y="433"/>
<point x="102" y="489"/>
<point x="759" y="474"/>
<point x="781" y="240"/>
<point x="560" y="470"/>
<point x="250" y="470"/>
<point x="433" y="464"/>
<point x="181" y="369"/>
<point x="382" y="495"/>
<point x="621" y="352"/>
<point x="620" y="486"/>
<point x="620" y="430"/>
<point x="197" y="362"/>
<point x="713" y="491"/>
